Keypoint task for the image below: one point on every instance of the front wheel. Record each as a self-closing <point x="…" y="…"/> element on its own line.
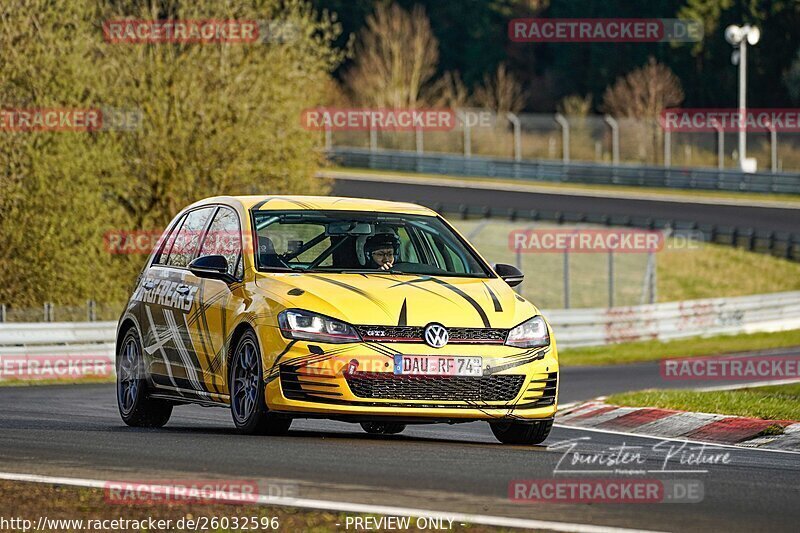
<point x="522" y="432"/>
<point x="382" y="428"/>
<point x="248" y="405"/>
<point x="135" y="408"/>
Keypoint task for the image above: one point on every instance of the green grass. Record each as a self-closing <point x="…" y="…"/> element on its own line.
<point x="714" y="270"/>
<point x="702" y="271"/>
<point x="776" y="402"/>
<point x="632" y="352"/>
<point x="647" y="191"/>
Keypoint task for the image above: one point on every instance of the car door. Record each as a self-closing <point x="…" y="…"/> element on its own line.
<point x="171" y="293"/>
<point x="218" y="300"/>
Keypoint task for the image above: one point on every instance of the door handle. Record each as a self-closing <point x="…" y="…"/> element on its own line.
<point x="183" y="289"/>
<point x="148" y="285"/>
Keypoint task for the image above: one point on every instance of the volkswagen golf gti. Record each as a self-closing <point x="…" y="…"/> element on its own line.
<point x="365" y="311"/>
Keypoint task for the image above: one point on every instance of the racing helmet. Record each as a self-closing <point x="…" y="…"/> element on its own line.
<point x="380" y="241"/>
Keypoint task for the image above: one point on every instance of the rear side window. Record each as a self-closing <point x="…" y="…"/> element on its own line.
<point x="187" y="241"/>
<point x="166" y="241"/>
<point x="224" y="237"/>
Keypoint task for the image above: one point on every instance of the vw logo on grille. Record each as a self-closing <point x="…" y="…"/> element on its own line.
<point x="436" y="335"/>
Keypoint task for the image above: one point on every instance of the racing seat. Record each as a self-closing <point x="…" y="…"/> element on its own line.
<point x="267" y="256"/>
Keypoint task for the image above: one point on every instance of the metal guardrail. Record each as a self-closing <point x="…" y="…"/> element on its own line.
<point x="573" y="327"/>
<point x="570" y="172"/>
<point x="675" y="320"/>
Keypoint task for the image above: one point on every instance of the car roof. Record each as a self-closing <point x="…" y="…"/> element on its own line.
<point x="329" y="203"/>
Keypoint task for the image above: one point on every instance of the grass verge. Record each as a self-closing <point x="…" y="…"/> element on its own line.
<point x="775" y="402"/>
<point x="633" y="352"/>
<point x="30" y="501"/>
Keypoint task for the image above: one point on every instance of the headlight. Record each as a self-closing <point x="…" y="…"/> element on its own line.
<point x="308" y="326"/>
<point x="530" y="334"/>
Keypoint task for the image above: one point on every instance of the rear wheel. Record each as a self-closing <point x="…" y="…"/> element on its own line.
<point x="135" y="408"/>
<point x="248" y="405"/>
<point x="522" y="432"/>
<point x="382" y="428"/>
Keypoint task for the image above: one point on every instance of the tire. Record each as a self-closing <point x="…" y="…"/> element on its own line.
<point x="246" y="385"/>
<point x="135" y="407"/>
<point x="522" y="432"/>
<point x="383" y="428"/>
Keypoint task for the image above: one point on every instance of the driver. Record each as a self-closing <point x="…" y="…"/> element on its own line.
<point x="381" y="250"/>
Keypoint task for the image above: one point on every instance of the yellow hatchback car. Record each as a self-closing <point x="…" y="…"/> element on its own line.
<point x="365" y="311"/>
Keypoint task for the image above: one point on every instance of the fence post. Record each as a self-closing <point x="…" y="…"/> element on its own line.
<point x="720" y="148"/>
<point x="773" y="148"/>
<point x="91" y="310"/>
<point x="48" y="312"/>
<point x="514" y="119"/>
<point x="328" y="138"/>
<point x="667" y="149"/>
<point x="467" y="135"/>
<point x="3" y="310"/>
<point x="419" y="141"/>
<point x="610" y="279"/>
<point x="566" y="278"/>
<point x="562" y="121"/>
<point x="614" y="125"/>
<point x="373" y="137"/>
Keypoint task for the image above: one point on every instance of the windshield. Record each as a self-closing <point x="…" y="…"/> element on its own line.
<point x="359" y="242"/>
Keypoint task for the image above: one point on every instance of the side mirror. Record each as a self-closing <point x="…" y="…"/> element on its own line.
<point x="510" y="274"/>
<point x="212" y="267"/>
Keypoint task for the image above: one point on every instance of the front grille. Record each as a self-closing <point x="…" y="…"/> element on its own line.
<point x="499" y="388"/>
<point x="415" y="334"/>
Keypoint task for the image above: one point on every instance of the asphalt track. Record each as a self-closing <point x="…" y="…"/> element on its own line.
<point x="75" y="431"/>
<point x="761" y="218"/>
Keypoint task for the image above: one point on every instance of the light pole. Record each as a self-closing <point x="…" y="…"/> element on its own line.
<point x="739" y="37"/>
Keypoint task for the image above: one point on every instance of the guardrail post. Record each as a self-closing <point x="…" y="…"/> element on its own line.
<point x="667" y="149"/>
<point x="48" y="312"/>
<point x="91" y="310"/>
<point x="720" y="148"/>
<point x="514" y="119"/>
<point x="2" y="312"/>
<point x="562" y="121"/>
<point x="614" y="125"/>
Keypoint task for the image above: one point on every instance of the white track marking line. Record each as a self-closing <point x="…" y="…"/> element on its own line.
<point x="486" y="520"/>
<point x="674" y="439"/>
<point x="750" y="385"/>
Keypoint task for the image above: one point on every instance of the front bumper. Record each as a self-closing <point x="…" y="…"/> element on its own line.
<point x="312" y="379"/>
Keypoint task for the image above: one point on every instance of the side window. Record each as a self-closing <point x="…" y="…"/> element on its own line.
<point x="165" y="242"/>
<point x="188" y="238"/>
<point x="224" y="238"/>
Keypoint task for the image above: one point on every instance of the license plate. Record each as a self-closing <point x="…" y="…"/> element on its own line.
<point x="432" y="365"/>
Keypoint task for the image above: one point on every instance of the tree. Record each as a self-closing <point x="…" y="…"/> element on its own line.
<point x="395" y="56"/>
<point x="500" y="92"/>
<point x="220" y="118"/>
<point x="644" y="93"/>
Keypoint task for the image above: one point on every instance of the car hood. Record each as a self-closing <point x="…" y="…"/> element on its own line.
<point x="390" y="299"/>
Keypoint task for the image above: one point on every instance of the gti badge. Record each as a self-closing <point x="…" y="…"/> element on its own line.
<point x="436" y="335"/>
